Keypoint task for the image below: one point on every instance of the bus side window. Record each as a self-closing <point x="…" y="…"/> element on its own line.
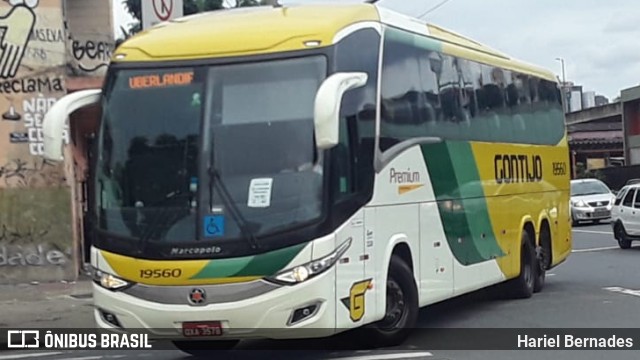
<point x="400" y="119"/>
<point x="353" y="157"/>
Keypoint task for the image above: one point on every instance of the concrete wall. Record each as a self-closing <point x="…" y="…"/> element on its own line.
<point x="35" y="237"/>
<point x="38" y="237"/>
<point x="90" y="28"/>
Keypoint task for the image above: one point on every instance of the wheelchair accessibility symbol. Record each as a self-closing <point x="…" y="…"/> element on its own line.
<point x="214" y="225"/>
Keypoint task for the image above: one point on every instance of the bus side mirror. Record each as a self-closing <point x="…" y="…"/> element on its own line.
<point x="56" y="118"/>
<point x="328" y="103"/>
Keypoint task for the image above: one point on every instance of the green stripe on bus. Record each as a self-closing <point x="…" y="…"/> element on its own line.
<point x="474" y="203"/>
<point x="266" y="264"/>
<point x="445" y="186"/>
<point x="463" y="209"/>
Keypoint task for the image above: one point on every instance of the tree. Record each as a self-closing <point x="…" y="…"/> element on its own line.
<point x="190" y="7"/>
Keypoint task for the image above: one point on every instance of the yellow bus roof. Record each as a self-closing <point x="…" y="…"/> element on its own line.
<point x="264" y="30"/>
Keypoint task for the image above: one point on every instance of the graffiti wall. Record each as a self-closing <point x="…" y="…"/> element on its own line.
<point x="35" y="203"/>
<point x="91" y="43"/>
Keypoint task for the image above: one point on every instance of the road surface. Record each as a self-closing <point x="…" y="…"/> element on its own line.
<point x="587" y="291"/>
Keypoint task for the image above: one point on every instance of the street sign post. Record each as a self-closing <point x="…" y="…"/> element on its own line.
<point x="157" y="11"/>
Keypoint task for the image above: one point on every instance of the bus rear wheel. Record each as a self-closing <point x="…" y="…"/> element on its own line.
<point x="401" y="308"/>
<point x="543" y="257"/>
<point x="522" y="287"/>
<point x="204" y="348"/>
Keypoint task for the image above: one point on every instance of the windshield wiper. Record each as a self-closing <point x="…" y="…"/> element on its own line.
<point x="227" y="199"/>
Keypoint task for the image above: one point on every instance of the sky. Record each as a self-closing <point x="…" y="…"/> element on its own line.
<point x="596" y="39"/>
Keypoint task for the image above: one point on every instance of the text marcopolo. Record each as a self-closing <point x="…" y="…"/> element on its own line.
<point x="571" y="341"/>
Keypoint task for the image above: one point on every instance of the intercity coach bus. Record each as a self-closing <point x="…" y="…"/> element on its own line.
<point x="293" y="172"/>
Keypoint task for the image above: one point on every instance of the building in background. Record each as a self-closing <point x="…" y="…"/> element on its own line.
<point x="601" y="100"/>
<point x="49" y="48"/>
<point x="577" y="99"/>
<point x="630" y="99"/>
<point x="588" y="99"/>
<point x="596" y="137"/>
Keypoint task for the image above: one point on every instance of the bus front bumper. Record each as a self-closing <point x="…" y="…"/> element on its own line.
<point x="269" y="315"/>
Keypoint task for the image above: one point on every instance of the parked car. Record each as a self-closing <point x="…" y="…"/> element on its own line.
<point x="625" y="216"/>
<point x="591" y="200"/>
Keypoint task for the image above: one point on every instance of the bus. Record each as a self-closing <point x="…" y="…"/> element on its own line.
<point x="297" y="171"/>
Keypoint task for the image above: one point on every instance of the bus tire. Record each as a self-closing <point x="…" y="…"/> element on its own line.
<point x="543" y="257"/>
<point x="401" y="308"/>
<point x="204" y="348"/>
<point x="522" y="286"/>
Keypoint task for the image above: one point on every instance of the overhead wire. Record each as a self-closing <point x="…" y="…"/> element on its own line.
<point x="433" y="9"/>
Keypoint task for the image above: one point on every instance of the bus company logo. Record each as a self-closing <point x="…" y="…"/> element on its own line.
<point x="196" y="250"/>
<point x="510" y="168"/>
<point x="23" y="339"/>
<point x="355" y="302"/>
<point x="197" y="296"/>
<point x="407" y="180"/>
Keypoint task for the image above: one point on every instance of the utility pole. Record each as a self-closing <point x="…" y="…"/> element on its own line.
<point x="566" y="95"/>
<point x="564" y="79"/>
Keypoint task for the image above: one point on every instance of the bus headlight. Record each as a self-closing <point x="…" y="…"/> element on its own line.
<point x="109" y="281"/>
<point x="311" y="269"/>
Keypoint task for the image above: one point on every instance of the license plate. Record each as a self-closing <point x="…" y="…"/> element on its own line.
<point x="197" y="329"/>
<point x="601" y="213"/>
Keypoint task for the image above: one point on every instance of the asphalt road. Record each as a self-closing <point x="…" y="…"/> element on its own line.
<point x="584" y="292"/>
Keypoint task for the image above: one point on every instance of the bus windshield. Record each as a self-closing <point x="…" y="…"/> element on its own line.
<point x="258" y="121"/>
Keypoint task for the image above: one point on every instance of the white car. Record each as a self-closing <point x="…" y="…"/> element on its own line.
<point x="591" y="200"/>
<point x="625" y="216"/>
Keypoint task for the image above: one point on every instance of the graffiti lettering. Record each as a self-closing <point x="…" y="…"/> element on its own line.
<point x="31" y="85"/>
<point x="35" y="109"/>
<point x="91" y="51"/>
<point x="28" y="235"/>
<point x="47" y="35"/>
<point x="18" y="173"/>
<point x="37" y="256"/>
<point x="36" y="53"/>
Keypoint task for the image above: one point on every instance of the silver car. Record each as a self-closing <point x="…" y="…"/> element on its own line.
<point x="591" y="200"/>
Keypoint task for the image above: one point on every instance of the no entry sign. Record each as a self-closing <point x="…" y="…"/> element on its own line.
<point x="156" y="11"/>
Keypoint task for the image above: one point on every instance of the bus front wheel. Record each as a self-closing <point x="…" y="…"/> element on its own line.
<point x="401" y="308"/>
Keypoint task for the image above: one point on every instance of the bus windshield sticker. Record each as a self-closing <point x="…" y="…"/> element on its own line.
<point x="214" y="225"/>
<point x="260" y="193"/>
<point x="161" y="80"/>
